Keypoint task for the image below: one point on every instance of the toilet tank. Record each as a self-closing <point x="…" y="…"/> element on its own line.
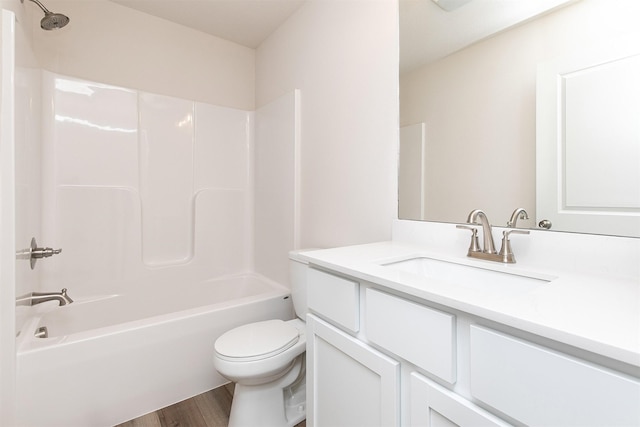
<point x="298" y="276"/>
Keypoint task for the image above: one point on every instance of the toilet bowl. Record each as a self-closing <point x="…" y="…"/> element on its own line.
<point x="266" y="361"/>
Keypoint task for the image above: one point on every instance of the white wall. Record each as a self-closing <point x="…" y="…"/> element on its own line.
<point x="481" y="101"/>
<point x="343" y="56"/>
<point x="19" y="152"/>
<point x="7" y="202"/>
<point x="109" y="43"/>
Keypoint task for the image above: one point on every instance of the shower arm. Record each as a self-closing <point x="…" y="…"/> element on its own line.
<point x="40" y="5"/>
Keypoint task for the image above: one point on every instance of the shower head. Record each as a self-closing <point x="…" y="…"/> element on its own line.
<point x="51" y="21"/>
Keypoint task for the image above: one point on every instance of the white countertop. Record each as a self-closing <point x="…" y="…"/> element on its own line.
<point x="600" y="314"/>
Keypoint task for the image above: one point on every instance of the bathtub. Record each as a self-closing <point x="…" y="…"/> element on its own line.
<point x="114" y="358"/>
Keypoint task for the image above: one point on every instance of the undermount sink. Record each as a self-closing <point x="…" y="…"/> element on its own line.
<point x="466" y="275"/>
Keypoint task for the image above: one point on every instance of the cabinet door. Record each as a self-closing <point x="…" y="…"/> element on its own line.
<point x="432" y="405"/>
<point x="348" y="383"/>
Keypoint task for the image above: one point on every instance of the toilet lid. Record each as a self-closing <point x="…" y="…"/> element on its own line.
<point x="256" y="341"/>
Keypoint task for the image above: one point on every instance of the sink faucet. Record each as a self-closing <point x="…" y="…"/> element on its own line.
<point x="518" y="213"/>
<point x="34" y="298"/>
<point x="488" y="247"/>
<point x="488" y="251"/>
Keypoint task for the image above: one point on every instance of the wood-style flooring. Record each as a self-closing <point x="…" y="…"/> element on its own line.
<point x="210" y="409"/>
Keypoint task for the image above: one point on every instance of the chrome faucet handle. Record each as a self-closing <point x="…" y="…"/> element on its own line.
<point x="506" y="253"/>
<point x="36" y="253"/>
<point x="475" y="244"/>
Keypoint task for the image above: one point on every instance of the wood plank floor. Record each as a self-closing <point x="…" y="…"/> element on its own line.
<point x="210" y="409"/>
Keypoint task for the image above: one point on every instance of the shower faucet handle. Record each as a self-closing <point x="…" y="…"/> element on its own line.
<point x="37" y="253"/>
<point x="44" y="252"/>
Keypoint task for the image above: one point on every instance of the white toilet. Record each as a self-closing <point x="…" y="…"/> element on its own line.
<point x="266" y="361"/>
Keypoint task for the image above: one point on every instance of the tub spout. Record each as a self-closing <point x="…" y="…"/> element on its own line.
<point x="34" y="298"/>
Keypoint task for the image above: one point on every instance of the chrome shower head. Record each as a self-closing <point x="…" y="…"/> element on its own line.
<point x="51" y="21"/>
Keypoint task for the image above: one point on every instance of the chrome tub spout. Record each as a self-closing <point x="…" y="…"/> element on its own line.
<point x="34" y="298"/>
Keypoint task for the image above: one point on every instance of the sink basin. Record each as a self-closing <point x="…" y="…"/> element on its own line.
<point x="468" y="276"/>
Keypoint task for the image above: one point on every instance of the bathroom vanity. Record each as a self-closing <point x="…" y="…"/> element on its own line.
<point x="398" y="336"/>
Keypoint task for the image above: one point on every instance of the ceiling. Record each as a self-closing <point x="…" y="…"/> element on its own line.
<point x="246" y="22"/>
<point x="427" y="31"/>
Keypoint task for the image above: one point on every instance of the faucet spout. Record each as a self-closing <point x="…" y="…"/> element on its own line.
<point x="519" y="213"/>
<point x="487" y="237"/>
<point x="34" y="298"/>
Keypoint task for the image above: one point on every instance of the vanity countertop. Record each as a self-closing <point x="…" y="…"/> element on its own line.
<point x="600" y="314"/>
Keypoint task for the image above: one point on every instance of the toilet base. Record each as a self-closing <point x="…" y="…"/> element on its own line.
<point x="264" y="404"/>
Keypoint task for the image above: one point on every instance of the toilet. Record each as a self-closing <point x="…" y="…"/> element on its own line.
<point x="266" y="361"/>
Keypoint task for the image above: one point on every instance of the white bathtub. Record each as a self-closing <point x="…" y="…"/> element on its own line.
<point x="110" y="360"/>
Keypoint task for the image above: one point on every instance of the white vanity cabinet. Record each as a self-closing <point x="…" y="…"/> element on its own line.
<point x="378" y="357"/>
<point x="348" y="383"/>
<point x="435" y="406"/>
<point x="418" y="334"/>
<point x="539" y="386"/>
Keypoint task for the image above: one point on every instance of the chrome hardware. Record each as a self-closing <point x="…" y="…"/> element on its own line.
<point x="488" y="247"/>
<point x="505" y="251"/>
<point x="475" y="244"/>
<point x="488" y="251"/>
<point x="519" y="213"/>
<point x="42" y="332"/>
<point x="35" y="253"/>
<point x="545" y="223"/>
<point x="34" y="298"/>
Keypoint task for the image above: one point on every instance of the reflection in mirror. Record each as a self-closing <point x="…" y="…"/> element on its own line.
<point x="477" y="107"/>
<point x="588" y="141"/>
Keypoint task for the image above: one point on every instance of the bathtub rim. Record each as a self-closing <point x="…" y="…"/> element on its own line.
<point x="26" y="342"/>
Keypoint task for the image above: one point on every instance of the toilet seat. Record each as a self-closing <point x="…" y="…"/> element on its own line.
<point x="256" y="341"/>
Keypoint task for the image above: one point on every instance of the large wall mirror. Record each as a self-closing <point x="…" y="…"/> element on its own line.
<point x="479" y="121"/>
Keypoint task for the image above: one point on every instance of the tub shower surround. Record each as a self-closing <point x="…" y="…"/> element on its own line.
<point x="139" y="185"/>
<point x="152" y="200"/>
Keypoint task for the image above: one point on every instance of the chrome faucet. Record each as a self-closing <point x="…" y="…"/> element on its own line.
<point x="518" y="213"/>
<point x="34" y="298"/>
<point x="488" y="251"/>
<point x="488" y="247"/>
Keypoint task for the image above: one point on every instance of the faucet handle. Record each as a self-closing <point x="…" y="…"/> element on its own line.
<point x="36" y="253"/>
<point x="506" y="233"/>
<point x="505" y="251"/>
<point x="475" y="244"/>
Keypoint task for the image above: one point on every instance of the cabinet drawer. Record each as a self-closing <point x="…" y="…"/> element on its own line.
<point x="418" y="334"/>
<point x="539" y="386"/>
<point x="334" y="298"/>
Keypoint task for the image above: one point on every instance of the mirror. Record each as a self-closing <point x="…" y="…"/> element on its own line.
<point x="468" y="103"/>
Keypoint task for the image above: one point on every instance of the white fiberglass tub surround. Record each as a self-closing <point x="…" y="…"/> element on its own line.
<point x="152" y="200"/>
<point x="110" y="360"/>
